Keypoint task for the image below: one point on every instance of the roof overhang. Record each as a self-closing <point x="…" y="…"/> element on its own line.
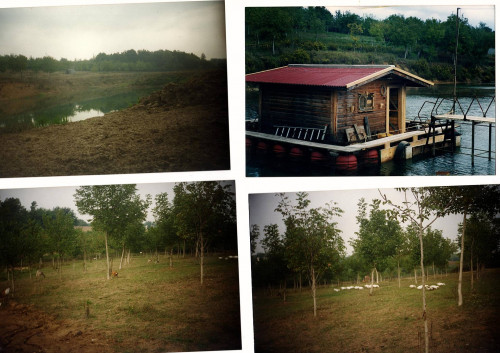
<point x="346" y="77"/>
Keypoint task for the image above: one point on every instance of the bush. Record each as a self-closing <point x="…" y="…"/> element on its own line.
<point x="309" y="45"/>
<point x="300" y="56"/>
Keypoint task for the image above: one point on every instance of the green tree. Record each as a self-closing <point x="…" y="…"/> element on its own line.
<point x="60" y="231"/>
<point x="113" y="208"/>
<point x="379" y="236"/>
<point x="15" y="243"/>
<point x="466" y="200"/>
<point x="254" y="235"/>
<point x="312" y="238"/>
<point x="419" y="206"/>
<point x="200" y="208"/>
<point x="355" y="29"/>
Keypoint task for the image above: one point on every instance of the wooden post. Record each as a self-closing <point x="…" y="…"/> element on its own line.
<point x="489" y="143"/>
<point x="472" y="153"/>
<point x="453" y="138"/>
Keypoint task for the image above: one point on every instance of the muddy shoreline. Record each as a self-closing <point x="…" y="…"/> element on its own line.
<point x="180" y="128"/>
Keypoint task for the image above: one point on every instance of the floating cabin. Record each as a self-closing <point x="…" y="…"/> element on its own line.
<point x="335" y="109"/>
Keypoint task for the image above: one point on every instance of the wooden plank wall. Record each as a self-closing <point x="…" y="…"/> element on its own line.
<point x="295" y="106"/>
<point x="308" y="106"/>
<point x="347" y="116"/>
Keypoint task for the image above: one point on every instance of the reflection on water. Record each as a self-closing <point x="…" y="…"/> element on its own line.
<point x="458" y="163"/>
<point x="71" y="112"/>
<point x="80" y="115"/>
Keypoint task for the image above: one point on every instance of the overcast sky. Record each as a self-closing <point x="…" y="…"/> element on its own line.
<point x="261" y="207"/>
<point x="80" y="32"/>
<point x="475" y="14"/>
<point x="52" y="197"/>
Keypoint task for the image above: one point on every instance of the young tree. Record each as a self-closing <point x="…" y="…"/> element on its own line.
<point x="379" y="236"/>
<point x="14" y="244"/>
<point x="466" y="200"/>
<point x="113" y="208"/>
<point x="58" y="226"/>
<point x="254" y="235"/>
<point x="419" y="208"/>
<point x="200" y="208"/>
<point x="312" y="240"/>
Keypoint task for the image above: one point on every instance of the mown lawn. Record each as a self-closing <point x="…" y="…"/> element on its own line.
<point x="388" y="321"/>
<point x="149" y="307"/>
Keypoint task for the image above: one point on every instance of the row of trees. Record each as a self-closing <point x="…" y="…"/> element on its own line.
<point x="201" y="217"/>
<point x="130" y="60"/>
<point x="299" y="35"/>
<point x="311" y="244"/>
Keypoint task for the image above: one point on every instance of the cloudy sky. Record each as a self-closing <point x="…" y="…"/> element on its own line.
<point x="261" y="207"/>
<point x="51" y="197"/>
<point x="475" y="14"/>
<point x="80" y="32"/>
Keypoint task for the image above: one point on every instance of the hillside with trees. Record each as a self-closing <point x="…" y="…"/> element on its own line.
<point x="296" y="35"/>
<point x="129" y="60"/>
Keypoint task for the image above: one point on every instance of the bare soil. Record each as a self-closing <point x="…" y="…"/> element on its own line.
<point x="26" y="329"/>
<point x="183" y="127"/>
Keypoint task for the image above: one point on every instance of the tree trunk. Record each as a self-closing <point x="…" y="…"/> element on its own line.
<point x="201" y="257"/>
<point x="433" y="270"/>
<point x="471" y="267"/>
<point x="123" y="253"/>
<point x="424" y="306"/>
<point x="460" y="299"/>
<point x="399" y="276"/>
<point x="60" y="267"/>
<point x="84" y="260"/>
<point x="313" y="289"/>
<point x="171" y="254"/>
<point x="107" y="254"/>
<point x="371" y="287"/>
<point x="377" y="274"/>
<point x="415" y="270"/>
<point x="128" y="257"/>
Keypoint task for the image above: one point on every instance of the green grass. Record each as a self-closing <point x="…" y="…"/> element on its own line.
<point x="388" y="321"/>
<point x="149" y="307"/>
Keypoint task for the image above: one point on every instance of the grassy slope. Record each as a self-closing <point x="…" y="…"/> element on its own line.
<point x="340" y="49"/>
<point x="150" y="307"/>
<point x="389" y="321"/>
<point x="21" y="93"/>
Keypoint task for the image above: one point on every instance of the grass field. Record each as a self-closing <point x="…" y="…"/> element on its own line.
<point x="148" y="308"/>
<point x="388" y="321"/>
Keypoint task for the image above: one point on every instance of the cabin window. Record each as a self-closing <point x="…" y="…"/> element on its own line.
<point x="365" y="102"/>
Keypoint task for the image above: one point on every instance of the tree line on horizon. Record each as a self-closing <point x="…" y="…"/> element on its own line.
<point x="130" y="60"/>
<point x="277" y="36"/>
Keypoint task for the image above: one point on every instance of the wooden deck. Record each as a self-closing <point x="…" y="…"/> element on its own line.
<point x="353" y="148"/>
<point x="332" y="148"/>
<point x="466" y="118"/>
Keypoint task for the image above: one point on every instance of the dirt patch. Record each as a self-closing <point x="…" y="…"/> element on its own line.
<point x="25" y="329"/>
<point x="183" y="127"/>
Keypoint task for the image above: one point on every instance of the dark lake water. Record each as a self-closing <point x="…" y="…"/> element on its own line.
<point x="458" y="163"/>
<point x="72" y="111"/>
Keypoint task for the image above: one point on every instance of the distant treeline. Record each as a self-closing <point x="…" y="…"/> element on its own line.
<point x="279" y="36"/>
<point x="130" y="60"/>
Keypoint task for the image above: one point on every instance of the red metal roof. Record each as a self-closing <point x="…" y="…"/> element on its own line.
<point x="327" y="75"/>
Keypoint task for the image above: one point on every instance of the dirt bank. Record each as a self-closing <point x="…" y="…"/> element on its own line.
<point x="180" y="128"/>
